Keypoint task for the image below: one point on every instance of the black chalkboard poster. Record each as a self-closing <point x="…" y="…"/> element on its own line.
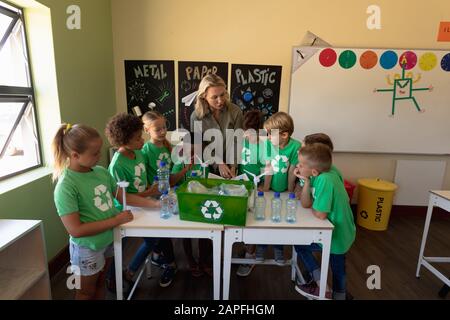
<point x="256" y="87"/>
<point x="150" y="85"/>
<point x="189" y="76"/>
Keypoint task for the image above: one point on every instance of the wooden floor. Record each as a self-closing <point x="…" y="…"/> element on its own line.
<point x="395" y="251"/>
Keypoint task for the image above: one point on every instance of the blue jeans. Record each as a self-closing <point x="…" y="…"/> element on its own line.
<point x="337" y="263"/>
<point x="139" y="257"/>
<point x="141" y="254"/>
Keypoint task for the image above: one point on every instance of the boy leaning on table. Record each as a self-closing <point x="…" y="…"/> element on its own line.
<point x="328" y="198"/>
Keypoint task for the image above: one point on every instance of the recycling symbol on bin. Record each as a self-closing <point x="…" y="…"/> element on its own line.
<point x="212" y="210"/>
<point x="364" y="214"/>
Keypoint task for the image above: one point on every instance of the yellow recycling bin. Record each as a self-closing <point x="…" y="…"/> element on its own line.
<point x="374" y="203"/>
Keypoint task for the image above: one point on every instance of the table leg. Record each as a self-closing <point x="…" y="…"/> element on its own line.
<point x="326" y="246"/>
<point x="118" y="262"/>
<point x="425" y="234"/>
<point x="293" y="264"/>
<point x="228" y="246"/>
<point x="217" y="243"/>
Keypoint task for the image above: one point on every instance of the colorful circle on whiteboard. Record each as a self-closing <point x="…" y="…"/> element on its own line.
<point x="327" y="57"/>
<point x="368" y="59"/>
<point x="427" y="61"/>
<point x="388" y="59"/>
<point x="347" y="59"/>
<point x="408" y="60"/>
<point x="445" y="62"/>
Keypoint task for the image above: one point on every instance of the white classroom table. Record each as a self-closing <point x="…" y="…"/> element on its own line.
<point x="308" y="229"/>
<point x="439" y="199"/>
<point x="147" y="223"/>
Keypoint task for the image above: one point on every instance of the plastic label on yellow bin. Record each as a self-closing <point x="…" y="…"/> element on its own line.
<point x="375" y="198"/>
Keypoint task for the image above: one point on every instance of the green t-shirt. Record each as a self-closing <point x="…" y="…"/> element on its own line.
<point x="197" y="168"/>
<point x="131" y="170"/>
<point x="281" y="160"/>
<point x="251" y="159"/>
<point x="91" y="195"/>
<point x="153" y="156"/>
<point x="330" y="196"/>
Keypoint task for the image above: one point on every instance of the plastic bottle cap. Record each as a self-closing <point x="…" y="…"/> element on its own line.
<point x="193" y="174"/>
<point x="155" y="178"/>
<point x="165" y="192"/>
<point x="291" y="195"/>
<point x="162" y="164"/>
<point x="260" y="194"/>
<point x="276" y="195"/>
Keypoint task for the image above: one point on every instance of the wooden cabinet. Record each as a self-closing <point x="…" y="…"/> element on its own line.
<point x="23" y="260"/>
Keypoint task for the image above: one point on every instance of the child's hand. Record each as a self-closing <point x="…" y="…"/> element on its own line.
<point x="124" y="217"/>
<point x="297" y="172"/>
<point x="155" y="203"/>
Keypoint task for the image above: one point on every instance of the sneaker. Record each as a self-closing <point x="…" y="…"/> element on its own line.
<point x="259" y="254"/>
<point x="311" y="291"/>
<point x="244" y="270"/>
<point x="167" y="276"/>
<point x="160" y="261"/>
<point x="307" y="280"/>
<point x="279" y="257"/>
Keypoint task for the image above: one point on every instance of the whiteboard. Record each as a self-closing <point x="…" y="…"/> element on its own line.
<point x="349" y="99"/>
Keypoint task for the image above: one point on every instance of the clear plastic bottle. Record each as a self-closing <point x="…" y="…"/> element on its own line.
<point x="291" y="208"/>
<point x="260" y="207"/>
<point x="173" y="201"/>
<point x="276" y="208"/>
<point x="163" y="177"/>
<point x="165" y="206"/>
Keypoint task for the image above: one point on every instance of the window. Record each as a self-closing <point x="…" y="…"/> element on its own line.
<point x="19" y="141"/>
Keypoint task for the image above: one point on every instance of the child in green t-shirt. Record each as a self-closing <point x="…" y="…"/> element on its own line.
<point x="251" y="161"/>
<point x="84" y="201"/>
<point x="188" y="163"/>
<point x="124" y="132"/>
<point x="280" y="152"/>
<point x="158" y="148"/>
<point x="328" y="198"/>
<point x="317" y="138"/>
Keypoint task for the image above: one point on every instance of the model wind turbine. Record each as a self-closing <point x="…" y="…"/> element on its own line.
<point x="124" y="185"/>
<point x="256" y="180"/>
<point x="204" y="165"/>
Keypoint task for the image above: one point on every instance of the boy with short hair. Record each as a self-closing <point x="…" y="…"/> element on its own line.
<point x="280" y="152"/>
<point x="328" y="198"/>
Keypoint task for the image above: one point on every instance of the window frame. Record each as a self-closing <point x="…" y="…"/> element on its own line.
<point x="19" y="94"/>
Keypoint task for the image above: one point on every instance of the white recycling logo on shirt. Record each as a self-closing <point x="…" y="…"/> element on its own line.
<point x="280" y="167"/>
<point x="211" y="210"/>
<point x="103" y="199"/>
<point x="246" y="156"/>
<point x="163" y="156"/>
<point x="138" y="171"/>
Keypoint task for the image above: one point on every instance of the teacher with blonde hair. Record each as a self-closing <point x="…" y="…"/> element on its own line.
<point x="214" y="110"/>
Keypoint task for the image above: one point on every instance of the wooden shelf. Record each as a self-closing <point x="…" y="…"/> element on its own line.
<point x="23" y="261"/>
<point x="16" y="282"/>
